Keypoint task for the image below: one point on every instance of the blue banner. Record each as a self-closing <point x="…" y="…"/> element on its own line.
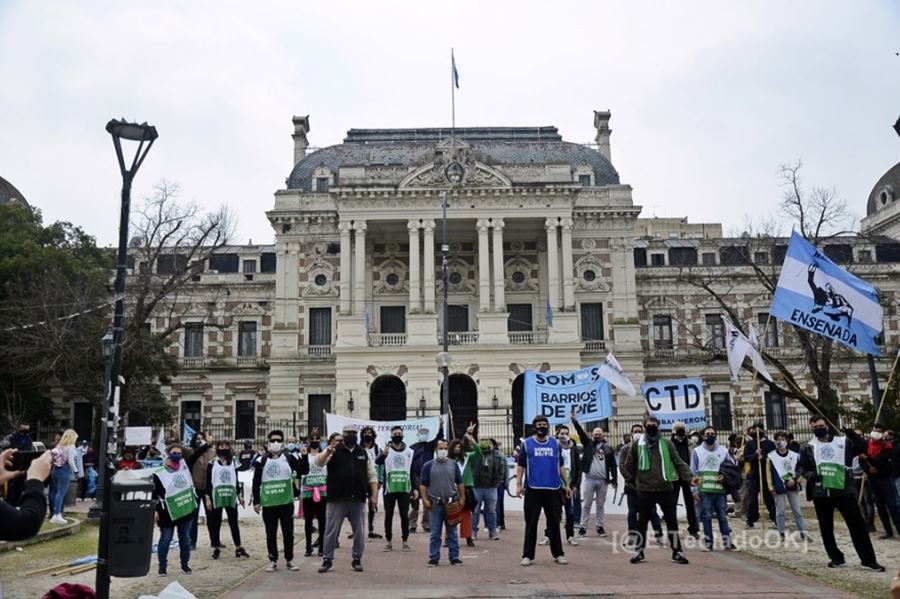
<point x="676" y="400"/>
<point x="554" y="394"/>
<point x="187" y="433"/>
<point x="816" y="294"/>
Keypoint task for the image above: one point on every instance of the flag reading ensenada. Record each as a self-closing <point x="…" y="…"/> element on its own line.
<point x="816" y="294"/>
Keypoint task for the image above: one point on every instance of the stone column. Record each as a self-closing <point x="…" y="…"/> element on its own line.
<point x="344" y="228"/>
<point x="415" y="290"/>
<point x="552" y="262"/>
<point x="428" y="265"/>
<point x="359" y="269"/>
<point x="484" y="268"/>
<point x="499" y="275"/>
<point x="568" y="274"/>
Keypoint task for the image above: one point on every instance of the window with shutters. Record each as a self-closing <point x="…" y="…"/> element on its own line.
<point x="320" y="326"/>
<point x="393" y="319"/>
<point x="592" y="322"/>
<point x="247" y="339"/>
<point x="662" y="331"/>
<point x="520" y="318"/>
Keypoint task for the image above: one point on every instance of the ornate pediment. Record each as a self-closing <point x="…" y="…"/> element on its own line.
<point x="476" y="173"/>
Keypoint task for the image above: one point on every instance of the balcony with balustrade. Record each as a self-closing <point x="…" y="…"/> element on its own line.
<point x="386" y="339"/>
<point x="527" y="337"/>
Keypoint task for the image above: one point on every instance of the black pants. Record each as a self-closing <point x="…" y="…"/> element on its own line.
<point x="646" y="503"/>
<point x="885" y="495"/>
<point x="684" y="487"/>
<point x="272" y="516"/>
<point x="214" y="524"/>
<point x="313" y="511"/>
<point x="846" y="505"/>
<point x="753" y="499"/>
<point x="549" y="500"/>
<point x="401" y="500"/>
<point x="201" y="494"/>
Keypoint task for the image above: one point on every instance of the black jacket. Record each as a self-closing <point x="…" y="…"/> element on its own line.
<point x="17" y="523"/>
<point x="587" y="456"/>
<point x="895" y="460"/>
<point x="257" y="475"/>
<point x="882" y="462"/>
<point x="348" y="474"/>
<point x="750" y="453"/>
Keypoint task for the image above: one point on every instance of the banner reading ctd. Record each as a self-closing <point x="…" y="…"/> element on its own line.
<point x="675" y="400"/>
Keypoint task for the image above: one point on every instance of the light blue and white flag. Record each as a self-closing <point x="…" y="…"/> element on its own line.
<point x="187" y="433"/>
<point x="549" y="314"/>
<point x="816" y="294"/>
<point x="554" y="394"/>
<point x="453" y="67"/>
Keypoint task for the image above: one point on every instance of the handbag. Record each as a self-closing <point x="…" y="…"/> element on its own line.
<point x="453" y="512"/>
<point x="471" y="501"/>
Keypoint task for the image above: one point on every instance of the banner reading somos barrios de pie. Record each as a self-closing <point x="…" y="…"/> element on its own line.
<point x="554" y="394"/>
<point x="675" y="400"/>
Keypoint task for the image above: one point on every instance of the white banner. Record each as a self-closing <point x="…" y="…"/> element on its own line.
<point x="138" y="435"/>
<point x="335" y="423"/>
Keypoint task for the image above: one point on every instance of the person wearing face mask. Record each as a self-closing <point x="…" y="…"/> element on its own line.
<point x="245" y="458"/>
<point x="572" y="465"/>
<point x="826" y="464"/>
<point x="351" y="479"/>
<point x="706" y="464"/>
<point x="876" y="463"/>
<point x="753" y="459"/>
<point x="781" y="478"/>
<point x="222" y="492"/>
<point x="685" y="445"/>
<point x="274" y="489"/>
<point x="652" y="464"/>
<point x="313" y="492"/>
<point x="175" y="507"/>
<point x="441" y="487"/>
<point x="127" y="461"/>
<point x="631" y="495"/>
<point x="367" y="442"/>
<point x="462" y="454"/>
<point x="598" y="467"/>
<point x="396" y="460"/>
<point x="202" y="452"/>
<point x="423" y="451"/>
<point x="539" y="475"/>
<point x="487" y="468"/>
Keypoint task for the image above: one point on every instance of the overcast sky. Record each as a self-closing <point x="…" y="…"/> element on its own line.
<point x="707" y="98"/>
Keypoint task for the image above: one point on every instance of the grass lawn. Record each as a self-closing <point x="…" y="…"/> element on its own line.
<point x="49" y="553"/>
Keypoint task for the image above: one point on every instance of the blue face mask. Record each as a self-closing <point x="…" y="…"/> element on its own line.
<point x="323" y="445"/>
<point x="292" y="447"/>
<point x="175" y="458"/>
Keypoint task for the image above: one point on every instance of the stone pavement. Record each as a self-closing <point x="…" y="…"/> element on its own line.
<point x="597" y="568"/>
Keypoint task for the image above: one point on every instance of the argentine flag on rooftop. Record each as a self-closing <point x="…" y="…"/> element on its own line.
<point x="816" y="294"/>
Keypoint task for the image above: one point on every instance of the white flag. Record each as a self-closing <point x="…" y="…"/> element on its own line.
<point x="736" y="346"/>
<point x="161" y="442"/>
<point x="755" y="356"/>
<point x="612" y="371"/>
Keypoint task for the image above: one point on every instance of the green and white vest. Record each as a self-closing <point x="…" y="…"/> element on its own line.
<point x="830" y="462"/>
<point x="315" y="481"/>
<point x="277" y="482"/>
<point x="397" y="467"/>
<point x="785" y="465"/>
<point x="224" y="485"/>
<point x="708" y="464"/>
<point x="180" y="498"/>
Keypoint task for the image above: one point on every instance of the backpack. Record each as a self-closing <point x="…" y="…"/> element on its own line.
<point x="58" y="456"/>
<point x="732" y="474"/>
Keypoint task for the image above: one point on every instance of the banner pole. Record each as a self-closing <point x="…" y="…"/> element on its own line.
<point x="761" y="499"/>
<point x="862" y="485"/>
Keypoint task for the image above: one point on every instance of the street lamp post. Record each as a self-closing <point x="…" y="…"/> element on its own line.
<point x="106" y="344"/>
<point x="145" y="135"/>
<point x="454" y="173"/>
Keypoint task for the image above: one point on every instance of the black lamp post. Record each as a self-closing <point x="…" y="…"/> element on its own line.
<point x="145" y="135"/>
<point x="350" y="405"/>
<point x="106" y="344"/>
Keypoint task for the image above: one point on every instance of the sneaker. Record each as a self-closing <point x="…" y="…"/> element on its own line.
<point x="58" y="519"/>
<point x="320" y="553"/>
<point x="470" y="542"/>
<point x="375" y="535"/>
<point x="601" y="532"/>
<point x="886" y="536"/>
<point x="161" y="572"/>
<point x="561" y="560"/>
<point x="456" y="562"/>
<point x="873" y="567"/>
<point x="695" y="534"/>
<point x="216" y="553"/>
<point x="526" y="561"/>
<point x="637" y="557"/>
<point x="678" y="558"/>
<point x="660" y="540"/>
<point x="388" y="546"/>
<point x="406" y="547"/>
<point x="432" y="563"/>
<point x="187" y="569"/>
<point x="356" y="565"/>
<point x="240" y="553"/>
<point x="272" y="567"/>
<point x="781" y="536"/>
<point x="837" y="564"/>
<point x="572" y="541"/>
<point x="327" y="566"/>
<point x="544" y="541"/>
<point x="729" y="546"/>
<point x="706" y="547"/>
<point x="582" y="532"/>
<point x="307" y="553"/>
<point x="495" y="536"/>
<point x="292" y="566"/>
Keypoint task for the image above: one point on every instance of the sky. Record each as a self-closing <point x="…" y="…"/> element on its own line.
<point x="707" y="97"/>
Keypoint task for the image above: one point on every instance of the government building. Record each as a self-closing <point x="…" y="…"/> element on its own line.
<point x="550" y="268"/>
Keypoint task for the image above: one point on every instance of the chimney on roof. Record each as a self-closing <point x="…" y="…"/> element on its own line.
<point x="601" y="124"/>
<point x="301" y="128"/>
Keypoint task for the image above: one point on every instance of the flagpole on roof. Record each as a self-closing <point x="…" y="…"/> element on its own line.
<point x="454" y="82"/>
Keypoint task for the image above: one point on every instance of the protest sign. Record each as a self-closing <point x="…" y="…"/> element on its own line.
<point x="675" y="400"/>
<point x="335" y="424"/>
<point x="554" y="394"/>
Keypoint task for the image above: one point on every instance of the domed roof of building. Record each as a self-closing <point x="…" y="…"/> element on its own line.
<point x="9" y="193"/>
<point x="885" y="191"/>
<point x="493" y="146"/>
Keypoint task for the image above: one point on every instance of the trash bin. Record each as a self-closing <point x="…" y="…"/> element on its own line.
<point x="131" y="517"/>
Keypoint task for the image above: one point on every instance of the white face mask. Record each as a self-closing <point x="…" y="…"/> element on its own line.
<point x="441" y="454"/>
<point x="422" y="437"/>
<point x="275" y="446"/>
<point x="876" y="435"/>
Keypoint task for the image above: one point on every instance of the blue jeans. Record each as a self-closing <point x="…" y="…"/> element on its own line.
<point x="436" y="518"/>
<point x="61" y="476"/>
<point x="487" y="498"/>
<point x="718" y="503"/>
<point x="184" y="543"/>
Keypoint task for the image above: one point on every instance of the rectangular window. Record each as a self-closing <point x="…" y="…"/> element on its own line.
<point x="592" y="322"/>
<point x="720" y="407"/>
<point x="584" y="180"/>
<point x="715" y="332"/>
<point x="776" y="412"/>
<point x="318" y="405"/>
<point x="733" y="255"/>
<point x="249" y="266"/>
<point x="519" y="317"/>
<point x="247" y="339"/>
<point x="322" y="184"/>
<point x="244" y="419"/>
<point x="682" y="256"/>
<point x="224" y="263"/>
<point x="393" y="319"/>
<point x="458" y="319"/>
<point x="865" y="256"/>
<point x="267" y="262"/>
<point x="170" y="264"/>
<point x="760" y="258"/>
<point x="83" y="419"/>
<point x="193" y="340"/>
<point x="709" y="258"/>
<point x="640" y="257"/>
<point x="657" y="259"/>
<point x="662" y="331"/>
<point x="320" y="326"/>
<point x="190" y="413"/>
<point x="771" y="339"/>
<point x="841" y="253"/>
